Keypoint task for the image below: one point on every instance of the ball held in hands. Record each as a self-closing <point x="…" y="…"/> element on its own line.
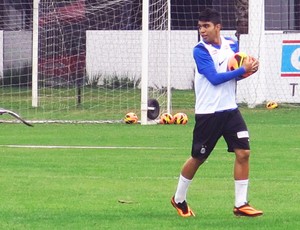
<point x="238" y="59"/>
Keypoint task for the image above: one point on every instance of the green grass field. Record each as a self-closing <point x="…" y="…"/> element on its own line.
<point x="74" y="175"/>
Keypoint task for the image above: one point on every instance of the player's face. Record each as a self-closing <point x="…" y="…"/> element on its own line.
<point x="209" y="32"/>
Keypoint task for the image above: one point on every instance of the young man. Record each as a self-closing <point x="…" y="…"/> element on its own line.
<point x="217" y="114"/>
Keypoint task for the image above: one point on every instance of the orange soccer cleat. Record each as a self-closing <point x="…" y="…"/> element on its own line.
<point x="246" y="210"/>
<point x="182" y="208"/>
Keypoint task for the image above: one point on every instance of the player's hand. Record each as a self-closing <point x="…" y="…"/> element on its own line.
<point x="255" y="64"/>
<point x="251" y="65"/>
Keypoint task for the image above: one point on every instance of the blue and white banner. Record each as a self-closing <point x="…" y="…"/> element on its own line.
<point x="290" y="64"/>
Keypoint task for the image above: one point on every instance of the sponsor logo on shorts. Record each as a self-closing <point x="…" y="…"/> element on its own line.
<point x="243" y="134"/>
<point x="203" y="149"/>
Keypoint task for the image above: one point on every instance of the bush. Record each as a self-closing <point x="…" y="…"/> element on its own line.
<point x="114" y="81"/>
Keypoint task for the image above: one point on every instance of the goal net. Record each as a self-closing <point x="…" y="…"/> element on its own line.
<point x="81" y="60"/>
<point x="89" y="55"/>
<point x="271" y="35"/>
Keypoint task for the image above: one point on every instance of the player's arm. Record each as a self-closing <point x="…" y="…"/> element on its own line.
<point x="216" y="78"/>
<point x="205" y="66"/>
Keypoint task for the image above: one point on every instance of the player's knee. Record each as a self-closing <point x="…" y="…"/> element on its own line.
<point x="200" y="152"/>
<point x="242" y="155"/>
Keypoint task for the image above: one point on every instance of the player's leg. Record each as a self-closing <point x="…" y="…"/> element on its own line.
<point x="203" y="144"/>
<point x="237" y="138"/>
<point x="190" y="167"/>
<point x="188" y="171"/>
<point x="241" y="176"/>
<point x="241" y="165"/>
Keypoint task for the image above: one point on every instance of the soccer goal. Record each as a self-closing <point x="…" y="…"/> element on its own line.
<point x="95" y="61"/>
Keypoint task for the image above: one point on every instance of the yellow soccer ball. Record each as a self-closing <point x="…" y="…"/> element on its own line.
<point x="180" y="118"/>
<point x="271" y="105"/>
<point x="166" y="118"/>
<point x="131" y="118"/>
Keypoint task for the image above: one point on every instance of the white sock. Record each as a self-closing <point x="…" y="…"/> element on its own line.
<point x="182" y="188"/>
<point x="241" y="192"/>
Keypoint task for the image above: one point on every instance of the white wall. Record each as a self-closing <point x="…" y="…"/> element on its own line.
<point x="17" y="48"/>
<point x="120" y="52"/>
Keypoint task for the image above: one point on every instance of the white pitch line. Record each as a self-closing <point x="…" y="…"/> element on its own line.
<point x="100" y="147"/>
<point x="86" y="147"/>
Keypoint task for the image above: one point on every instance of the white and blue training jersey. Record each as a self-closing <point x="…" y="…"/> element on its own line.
<point x="215" y="88"/>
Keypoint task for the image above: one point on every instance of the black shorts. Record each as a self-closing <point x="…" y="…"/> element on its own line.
<point x="210" y="127"/>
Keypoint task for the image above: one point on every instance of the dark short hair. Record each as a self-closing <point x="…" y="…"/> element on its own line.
<point x="210" y="15"/>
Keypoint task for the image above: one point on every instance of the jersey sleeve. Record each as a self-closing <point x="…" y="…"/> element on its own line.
<point x="234" y="45"/>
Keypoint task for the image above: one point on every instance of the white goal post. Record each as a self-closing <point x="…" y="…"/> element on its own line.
<point x="145" y="59"/>
<point x="35" y="53"/>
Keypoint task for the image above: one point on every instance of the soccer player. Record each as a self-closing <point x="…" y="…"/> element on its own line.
<point x="217" y="114"/>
